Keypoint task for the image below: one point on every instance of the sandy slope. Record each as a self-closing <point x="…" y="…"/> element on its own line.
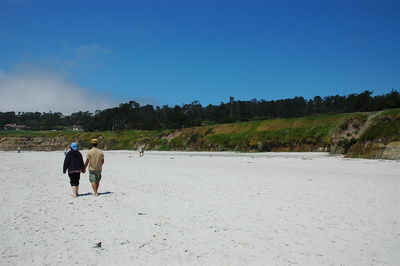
<point x="185" y="209"/>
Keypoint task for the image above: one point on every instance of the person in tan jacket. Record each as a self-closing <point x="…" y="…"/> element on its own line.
<point x="95" y="160"/>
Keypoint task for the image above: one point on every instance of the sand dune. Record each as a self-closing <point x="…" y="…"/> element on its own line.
<point x="201" y="209"/>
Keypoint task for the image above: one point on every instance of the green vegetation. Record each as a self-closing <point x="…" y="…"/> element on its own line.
<point x="292" y="134"/>
<point x="28" y="133"/>
<point x="132" y="116"/>
<point x="385" y="126"/>
<point x="315" y="130"/>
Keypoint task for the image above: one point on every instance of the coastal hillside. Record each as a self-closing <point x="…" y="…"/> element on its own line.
<point x="360" y="135"/>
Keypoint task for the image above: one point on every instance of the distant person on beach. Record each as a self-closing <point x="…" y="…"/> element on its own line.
<point x="73" y="162"/>
<point x="141" y="152"/>
<point x="95" y="160"/>
<point x="19" y="149"/>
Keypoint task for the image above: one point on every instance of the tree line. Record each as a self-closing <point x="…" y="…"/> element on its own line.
<point x="132" y="115"/>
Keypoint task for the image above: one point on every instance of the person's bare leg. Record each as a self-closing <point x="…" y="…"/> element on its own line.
<point x="73" y="191"/>
<point x="76" y="190"/>
<point x="95" y="187"/>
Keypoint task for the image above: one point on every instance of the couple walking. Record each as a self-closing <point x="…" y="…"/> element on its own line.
<point x="73" y="162"/>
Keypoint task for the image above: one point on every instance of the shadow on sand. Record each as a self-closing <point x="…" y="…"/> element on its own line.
<point x="90" y="194"/>
<point x="105" y="193"/>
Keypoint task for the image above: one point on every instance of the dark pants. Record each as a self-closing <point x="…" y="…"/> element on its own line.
<point x="74" y="178"/>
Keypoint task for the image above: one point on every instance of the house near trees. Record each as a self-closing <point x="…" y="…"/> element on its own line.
<point x="14" y="127"/>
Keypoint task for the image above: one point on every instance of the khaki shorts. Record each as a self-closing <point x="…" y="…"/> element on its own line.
<point x="94" y="176"/>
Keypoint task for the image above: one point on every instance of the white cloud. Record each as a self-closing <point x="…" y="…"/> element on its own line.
<point x="44" y="84"/>
<point x="32" y="89"/>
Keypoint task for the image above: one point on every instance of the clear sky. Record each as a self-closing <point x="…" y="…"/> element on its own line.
<point x="70" y="55"/>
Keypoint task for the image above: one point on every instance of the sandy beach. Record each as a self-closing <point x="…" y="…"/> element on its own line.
<point x="173" y="208"/>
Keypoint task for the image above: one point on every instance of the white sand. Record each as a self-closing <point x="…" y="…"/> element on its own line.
<point x="275" y="209"/>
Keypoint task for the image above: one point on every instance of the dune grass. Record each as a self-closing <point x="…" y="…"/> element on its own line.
<point x="241" y="136"/>
<point x="385" y="126"/>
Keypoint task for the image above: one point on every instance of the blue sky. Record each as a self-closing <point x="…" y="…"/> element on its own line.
<point x="88" y="55"/>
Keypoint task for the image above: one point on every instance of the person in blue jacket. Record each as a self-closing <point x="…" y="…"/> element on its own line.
<point x="73" y="162"/>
